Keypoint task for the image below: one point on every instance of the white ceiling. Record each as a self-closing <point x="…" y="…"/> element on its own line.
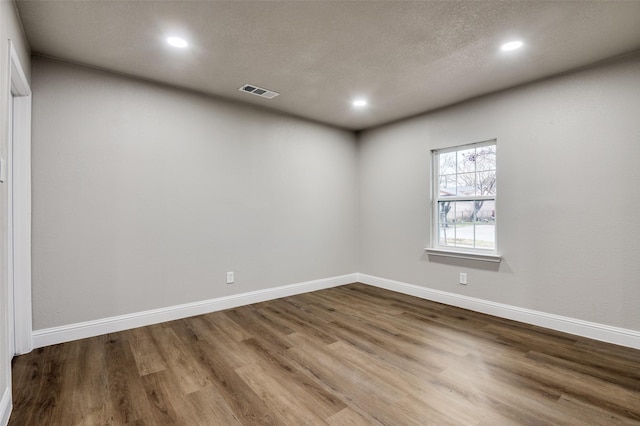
<point x="405" y="57"/>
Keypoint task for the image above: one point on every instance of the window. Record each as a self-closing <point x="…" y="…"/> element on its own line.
<point x="464" y="198"/>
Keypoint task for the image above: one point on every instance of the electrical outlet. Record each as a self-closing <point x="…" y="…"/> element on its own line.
<point x="463" y="278"/>
<point x="230" y="277"/>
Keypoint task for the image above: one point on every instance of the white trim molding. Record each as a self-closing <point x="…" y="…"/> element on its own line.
<point x="20" y="95"/>
<point x="67" y="333"/>
<point x="602" y="332"/>
<point x="5" y="406"/>
<point x="596" y="331"/>
<point x="464" y="255"/>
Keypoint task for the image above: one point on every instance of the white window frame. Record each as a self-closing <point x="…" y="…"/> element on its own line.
<point x="435" y="249"/>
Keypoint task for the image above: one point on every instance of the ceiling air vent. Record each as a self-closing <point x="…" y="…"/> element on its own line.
<point x="258" y="91"/>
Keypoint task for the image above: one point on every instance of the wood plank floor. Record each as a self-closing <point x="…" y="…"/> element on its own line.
<point x="351" y="355"/>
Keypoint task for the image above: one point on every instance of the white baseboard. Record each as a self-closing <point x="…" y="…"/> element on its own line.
<point x="5" y="406"/>
<point x="602" y="332"/>
<point x="67" y="333"/>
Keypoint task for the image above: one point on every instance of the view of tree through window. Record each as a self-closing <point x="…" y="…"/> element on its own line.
<point x="465" y="196"/>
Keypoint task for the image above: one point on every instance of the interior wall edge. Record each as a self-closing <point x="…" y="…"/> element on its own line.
<point x="591" y="330"/>
<point x="70" y="332"/>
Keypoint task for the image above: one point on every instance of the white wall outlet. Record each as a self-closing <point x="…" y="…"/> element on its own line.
<point x="230" y="277"/>
<point x="463" y="278"/>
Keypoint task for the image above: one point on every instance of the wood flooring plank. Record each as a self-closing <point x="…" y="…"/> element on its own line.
<point x="155" y="386"/>
<point x="315" y="397"/>
<point x="281" y="401"/>
<point x="506" y="398"/>
<point x="27" y="374"/>
<point x="368" y="393"/>
<point x="585" y="413"/>
<point x="210" y="407"/>
<point x="125" y="393"/>
<point x="148" y="356"/>
<point x="348" y="417"/>
<point x="90" y="393"/>
<point x="243" y="402"/>
<point x="173" y="407"/>
<point x="583" y="363"/>
<point x="224" y="345"/>
<point x="221" y="322"/>
<point x="295" y="323"/>
<point x="272" y="334"/>
<point x="180" y="359"/>
<point x="371" y="339"/>
<point x="608" y="351"/>
<point x="410" y="386"/>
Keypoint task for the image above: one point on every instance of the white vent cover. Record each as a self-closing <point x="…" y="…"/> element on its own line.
<point x="258" y="91"/>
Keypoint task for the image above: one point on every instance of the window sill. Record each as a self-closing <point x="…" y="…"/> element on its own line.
<point x="464" y="255"/>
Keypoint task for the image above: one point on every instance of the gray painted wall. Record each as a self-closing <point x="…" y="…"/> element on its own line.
<point x="10" y="29"/>
<point x="568" y="200"/>
<point x="144" y="196"/>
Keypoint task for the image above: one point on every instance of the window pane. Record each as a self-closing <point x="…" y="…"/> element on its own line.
<point x="467" y="160"/>
<point x="464" y="224"/>
<point x="446" y="223"/>
<point x="447" y="164"/>
<point x="448" y="186"/>
<point x="467" y="224"/>
<point x="467" y="184"/>
<point x="486" y="225"/>
<point x="486" y="211"/>
<point x="486" y="183"/>
<point x="486" y="158"/>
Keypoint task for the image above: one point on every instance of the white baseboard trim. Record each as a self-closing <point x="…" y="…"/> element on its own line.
<point x="5" y="406"/>
<point x="67" y="333"/>
<point x="602" y="332"/>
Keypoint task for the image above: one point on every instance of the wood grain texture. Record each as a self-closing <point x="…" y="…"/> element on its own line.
<point x="351" y="355"/>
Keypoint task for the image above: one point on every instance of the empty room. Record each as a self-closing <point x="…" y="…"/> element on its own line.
<point x="319" y="212"/>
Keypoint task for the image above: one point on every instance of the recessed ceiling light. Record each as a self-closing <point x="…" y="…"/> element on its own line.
<point x="177" y="42"/>
<point x="359" y="103"/>
<point x="512" y="45"/>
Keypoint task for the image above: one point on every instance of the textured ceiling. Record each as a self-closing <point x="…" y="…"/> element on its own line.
<point x="405" y="57"/>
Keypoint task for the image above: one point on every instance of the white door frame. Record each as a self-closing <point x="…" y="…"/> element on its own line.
<point x="7" y="179"/>
<point x="20" y="113"/>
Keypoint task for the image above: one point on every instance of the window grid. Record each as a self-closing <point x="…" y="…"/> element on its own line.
<point x="464" y="188"/>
